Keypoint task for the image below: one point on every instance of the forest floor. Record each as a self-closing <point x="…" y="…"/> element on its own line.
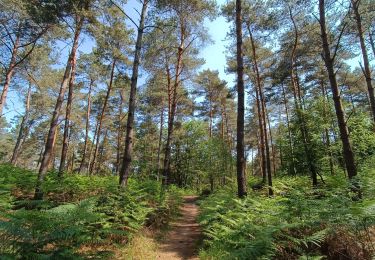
<point x="185" y="236"/>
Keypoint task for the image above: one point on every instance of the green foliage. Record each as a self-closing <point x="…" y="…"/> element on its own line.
<point x="80" y="213"/>
<point x="298" y="223"/>
<point x="49" y="233"/>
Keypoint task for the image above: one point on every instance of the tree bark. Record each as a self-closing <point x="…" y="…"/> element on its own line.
<point x="241" y="181"/>
<point x="366" y="63"/>
<point x="329" y="62"/>
<point x="261" y="103"/>
<point x="55" y="119"/>
<point x="119" y="134"/>
<point x="290" y="140"/>
<point x="9" y="74"/>
<point x="172" y="101"/>
<point x="67" y="126"/>
<point x="272" y="144"/>
<point x="300" y="108"/>
<point x="101" y="118"/>
<point x="24" y="129"/>
<point x="126" y="164"/>
<point x="160" y="137"/>
<point x="87" y="129"/>
<point x="372" y="43"/>
<point x="326" y="130"/>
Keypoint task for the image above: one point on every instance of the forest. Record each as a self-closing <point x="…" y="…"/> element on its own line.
<point x="122" y="137"/>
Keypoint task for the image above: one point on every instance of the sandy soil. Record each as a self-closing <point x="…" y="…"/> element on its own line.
<point x="182" y="242"/>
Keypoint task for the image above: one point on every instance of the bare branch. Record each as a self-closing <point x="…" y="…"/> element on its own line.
<point x="122" y="11"/>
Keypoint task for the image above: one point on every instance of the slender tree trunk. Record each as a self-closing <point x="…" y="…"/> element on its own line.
<point x="268" y="157"/>
<point x="52" y="163"/>
<point x="125" y="169"/>
<point x="172" y="101"/>
<point x="101" y="152"/>
<point x="93" y="144"/>
<point x="372" y="43"/>
<point x="160" y="137"/>
<point x="299" y="107"/>
<point x="266" y="160"/>
<point x="290" y="140"/>
<point x="101" y="117"/>
<point x="87" y="129"/>
<point x="24" y="129"/>
<point x="9" y="74"/>
<point x="241" y="178"/>
<point x="67" y="126"/>
<point x="119" y="134"/>
<point x="326" y="130"/>
<point x="366" y="63"/>
<point x="272" y="144"/>
<point x="263" y="158"/>
<point x="210" y="118"/>
<point x="329" y="62"/>
<point x="55" y="118"/>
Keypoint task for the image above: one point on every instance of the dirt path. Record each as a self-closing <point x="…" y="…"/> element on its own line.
<point x="183" y="240"/>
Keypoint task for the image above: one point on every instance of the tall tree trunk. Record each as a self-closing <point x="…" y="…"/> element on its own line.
<point x="101" y="152"/>
<point x="24" y="129"/>
<point x="329" y="62"/>
<point x="210" y="119"/>
<point x="272" y="144"/>
<point x="172" y="101"/>
<point x="92" y="146"/>
<point x="366" y="63"/>
<point x="9" y="73"/>
<point x="268" y="157"/>
<point x="119" y="134"/>
<point x="87" y="129"/>
<point x="372" y="43"/>
<point x="290" y="140"/>
<point x="125" y="169"/>
<point x="299" y="106"/>
<point x="241" y="178"/>
<point x="52" y="163"/>
<point x="326" y="130"/>
<point x="67" y="126"/>
<point x="101" y="117"/>
<point x="266" y="160"/>
<point x="55" y="117"/>
<point x="160" y="137"/>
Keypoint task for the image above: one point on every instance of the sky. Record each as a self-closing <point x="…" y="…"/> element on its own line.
<point x="214" y="55"/>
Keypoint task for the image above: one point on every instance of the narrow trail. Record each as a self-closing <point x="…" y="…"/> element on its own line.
<point x="182" y="242"/>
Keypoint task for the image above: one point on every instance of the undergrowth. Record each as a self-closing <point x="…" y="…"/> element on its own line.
<point x="297" y="223"/>
<point x="80" y="218"/>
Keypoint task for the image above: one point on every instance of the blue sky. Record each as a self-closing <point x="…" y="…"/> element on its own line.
<point x="214" y="55"/>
